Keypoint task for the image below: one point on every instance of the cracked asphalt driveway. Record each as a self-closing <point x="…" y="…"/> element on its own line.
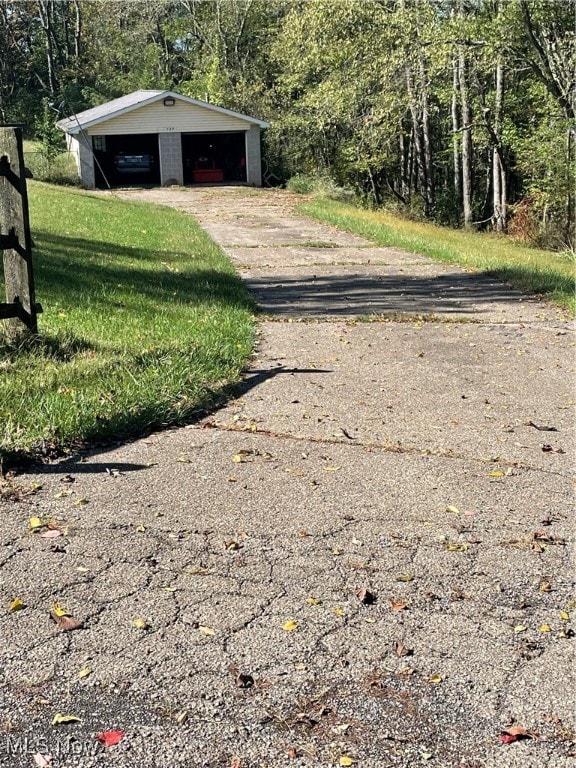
<point x="367" y="555"/>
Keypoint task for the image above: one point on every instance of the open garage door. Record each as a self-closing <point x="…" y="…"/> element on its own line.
<point x="214" y="157"/>
<point x="127" y="160"/>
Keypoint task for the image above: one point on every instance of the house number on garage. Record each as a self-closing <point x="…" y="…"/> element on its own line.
<point x="169" y="129"/>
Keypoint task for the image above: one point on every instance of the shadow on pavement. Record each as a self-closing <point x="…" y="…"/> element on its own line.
<point x="346" y="294"/>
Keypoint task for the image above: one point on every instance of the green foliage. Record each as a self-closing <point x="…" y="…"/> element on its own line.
<point x="369" y="94"/>
<point x="50" y="139"/>
<point x="144" y="323"/>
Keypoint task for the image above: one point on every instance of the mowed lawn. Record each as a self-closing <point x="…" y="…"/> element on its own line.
<point x="145" y="324"/>
<point x="534" y="270"/>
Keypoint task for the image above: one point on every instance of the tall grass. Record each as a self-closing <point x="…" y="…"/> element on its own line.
<point x="547" y="273"/>
<point x="144" y="323"/>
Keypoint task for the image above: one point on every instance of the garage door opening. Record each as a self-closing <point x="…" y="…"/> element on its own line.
<point x="126" y="161"/>
<point x="210" y="158"/>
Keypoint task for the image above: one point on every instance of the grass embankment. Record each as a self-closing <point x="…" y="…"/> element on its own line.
<point x="144" y="323"/>
<point x="546" y="273"/>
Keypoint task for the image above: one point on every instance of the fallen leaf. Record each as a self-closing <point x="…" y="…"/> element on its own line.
<point x="109" y="738"/>
<point x="140" y="623"/>
<point x="564" y="615"/>
<point x="59" y="719"/>
<point x="435" y="679"/>
<point x="338" y="611"/>
<point x="239" y="457"/>
<point x="181" y="717"/>
<point x="365" y="596"/>
<point x="232" y="545"/>
<point x="462" y="547"/>
<point x="545" y="628"/>
<point x="35" y="523"/>
<point x="515" y="733"/>
<point x="63" y="494"/>
<point x="520" y="628"/>
<point x="345" y="760"/>
<point x="542" y="428"/>
<point x="208" y="631"/>
<point x="62" y="618"/>
<point x="53" y="533"/>
<point x="313" y="601"/>
<point x="59" y="610"/>
<point x="16" y="605"/>
<point x="290" y="626"/>
<point x="545" y="586"/>
<point x="85" y="672"/>
<point x="43" y="761"/>
<point x="453" y="510"/>
<point x="405" y="577"/>
<point x="496" y="473"/>
<point x="67" y="479"/>
<point x="401" y="649"/>
<point x="292" y="753"/>
<point x="140" y="528"/>
<point x="80" y="502"/>
<point x="398" y="605"/>
<point x="336" y="551"/>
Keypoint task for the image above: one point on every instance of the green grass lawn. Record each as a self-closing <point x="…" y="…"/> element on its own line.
<point x="546" y="273"/>
<point x="145" y="323"/>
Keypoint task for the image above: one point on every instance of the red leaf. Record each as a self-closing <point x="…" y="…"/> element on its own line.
<point x="515" y="733"/>
<point x="109" y="738"/>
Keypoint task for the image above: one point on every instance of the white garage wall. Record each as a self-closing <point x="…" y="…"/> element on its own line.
<point x="157" y="118"/>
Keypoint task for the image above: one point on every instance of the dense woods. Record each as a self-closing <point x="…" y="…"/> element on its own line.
<point x="460" y="111"/>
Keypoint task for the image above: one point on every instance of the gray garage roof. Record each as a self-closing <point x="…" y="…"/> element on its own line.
<point x="117" y="107"/>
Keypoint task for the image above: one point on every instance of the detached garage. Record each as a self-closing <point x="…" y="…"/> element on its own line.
<point x="161" y="137"/>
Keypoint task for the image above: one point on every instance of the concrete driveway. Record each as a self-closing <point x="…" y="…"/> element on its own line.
<point x="364" y="558"/>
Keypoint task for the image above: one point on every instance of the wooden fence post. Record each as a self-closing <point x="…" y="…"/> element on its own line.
<point x="20" y="307"/>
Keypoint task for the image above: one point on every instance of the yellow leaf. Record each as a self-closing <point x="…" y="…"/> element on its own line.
<point x="345" y="760"/>
<point x="404" y="577"/>
<point x="496" y="473"/>
<point x="60" y="718"/>
<point x="85" y="672"/>
<point x="140" y="623"/>
<point x="545" y="628"/>
<point x="545" y="586"/>
<point x="59" y="610"/>
<point x="520" y="628"/>
<point x="208" y="631"/>
<point x="564" y="615"/>
<point x="35" y="523"/>
<point x="331" y="469"/>
<point x="339" y="611"/>
<point x="313" y="600"/>
<point x="290" y="626"/>
<point x="435" y="679"/>
<point x="80" y="502"/>
<point x="63" y="494"/>
<point x="140" y="527"/>
<point x="457" y="547"/>
<point x="336" y="551"/>
<point x="453" y="510"/>
<point x="16" y="605"/>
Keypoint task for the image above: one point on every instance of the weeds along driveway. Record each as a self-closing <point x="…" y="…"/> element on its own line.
<point x="364" y="558"/>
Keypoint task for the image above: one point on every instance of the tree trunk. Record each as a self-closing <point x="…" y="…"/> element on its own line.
<point x="498" y="175"/>
<point x="466" y="141"/>
<point x="457" y="175"/>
